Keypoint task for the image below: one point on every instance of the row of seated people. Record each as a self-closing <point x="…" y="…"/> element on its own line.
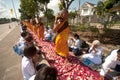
<point x="30" y="52"/>
<point x="95" y="54"/>
<point x="27" y="38"/>
<point x="94" y="58"/>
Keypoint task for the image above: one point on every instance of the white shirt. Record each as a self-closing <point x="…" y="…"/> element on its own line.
<point x="77" y="44"/>
<point x="110" y="62"/>
<point x="27" y="68"/>
<point x="50" y="31"/>
<point x="94" y="57"/>
<point x="32" y="78"/>
<point x="21" y="40"/>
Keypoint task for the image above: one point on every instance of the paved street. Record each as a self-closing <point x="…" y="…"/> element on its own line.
<point x="10" y="63"/>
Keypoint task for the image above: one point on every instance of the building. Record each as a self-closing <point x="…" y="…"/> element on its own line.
<point x="87" y="13"/>
<point x="87" y="9"/>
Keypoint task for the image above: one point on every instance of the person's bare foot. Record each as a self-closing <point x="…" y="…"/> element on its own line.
<point x="67" y="62"/>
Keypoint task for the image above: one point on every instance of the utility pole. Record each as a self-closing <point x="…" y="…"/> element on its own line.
<point x="79" y="10"/>
<point x="14" y="9"/>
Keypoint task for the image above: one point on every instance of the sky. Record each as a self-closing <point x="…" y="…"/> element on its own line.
<point x="6" y="5"/>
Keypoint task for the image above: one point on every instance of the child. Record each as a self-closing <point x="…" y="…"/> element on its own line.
<point x="45" y="73"/>
<point x="75" y="47"/>
<point x="29" y="62"/>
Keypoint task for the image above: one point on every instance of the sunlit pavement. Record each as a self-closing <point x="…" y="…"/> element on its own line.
<point x="10" y="63"/>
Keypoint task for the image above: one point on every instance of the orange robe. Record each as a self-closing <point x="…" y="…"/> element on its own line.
<point x="40" y="32"/>
<point x="61" y="43"/>
<point x="29" y="26"/>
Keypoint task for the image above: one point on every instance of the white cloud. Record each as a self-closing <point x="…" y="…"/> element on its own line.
<point x="4" y="11"/>
<point x="54" y="5"/>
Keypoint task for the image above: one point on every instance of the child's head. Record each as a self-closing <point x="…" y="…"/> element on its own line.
<point x="24" y="34"/>
<point x="29" y="39"/>
<point x="30" y="51"/>
<point x="76" y="36"/>
<point x="46" y="73"/>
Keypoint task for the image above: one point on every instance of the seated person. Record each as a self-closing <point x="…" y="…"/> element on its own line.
<point x="45" y="73"/>
<point x="29" y="62"/>
<point x="17" y="46"/>
<point x="29" y="40"/>
<point x="47" y="34"/>
<point x="23" y="28"/>
<point x="95" y="53"/>
<point x="112" y="61"/>
<point x="75" y="47"/>
<point x="50" y="30"/>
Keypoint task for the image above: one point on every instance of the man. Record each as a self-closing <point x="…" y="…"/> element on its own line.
<point x="112" y="61"/>
<point x="63" y="30"/>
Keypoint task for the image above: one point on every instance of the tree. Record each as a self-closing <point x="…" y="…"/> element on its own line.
<point x="28" y="9"/>
<point x="44" y="2"/>
<point x="65" y="4"/>
<point x="49" y="14"/>
<point x="14" y="19"/>
<point x="103" y="11"/>
<point x="72" y="15"/>
<point x="4" y="20"/>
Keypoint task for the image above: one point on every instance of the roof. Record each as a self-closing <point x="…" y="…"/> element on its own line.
<point x="87" y="3"/>
<point x="115" y="8"/>
<point x="91" y="4"/>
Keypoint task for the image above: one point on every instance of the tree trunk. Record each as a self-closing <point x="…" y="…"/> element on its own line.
<point x="46" y="14"/>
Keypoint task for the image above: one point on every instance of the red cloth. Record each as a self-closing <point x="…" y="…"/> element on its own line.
<point x="75" y="71"/>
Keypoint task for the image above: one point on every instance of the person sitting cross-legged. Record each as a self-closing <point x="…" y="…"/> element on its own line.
<point x="95" y="53"/>
<point x="75" y="47"/>
<point x="111" y="61"/>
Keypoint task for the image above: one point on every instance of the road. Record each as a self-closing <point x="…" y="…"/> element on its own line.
<point x="10" y="63"/>
<point x="5" y="29"/>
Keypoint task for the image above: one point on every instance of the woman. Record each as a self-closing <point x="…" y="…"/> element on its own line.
<point x="95" y="53"/>
<point x="63" y="30"/>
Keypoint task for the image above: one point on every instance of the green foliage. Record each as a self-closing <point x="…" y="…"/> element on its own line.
<point x="107" y="30"/>
<point x="43" y="1"/>
<point x="49" y="14"/>
<point x="28" y="9"/>
<point x="110" y="3"/>
<point x="4" y="20"/>
<point x="93" y="29"/>
<point x="80" y="27"/>
<point x="65" y="5"/>
<point x="14" y="19"/>
<point x="103" y="9"/>
<point x="100" y="10"/>
<point x="60" y="6"/>
<point x="72" y="15"/>
<point x="45" y="9"/>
